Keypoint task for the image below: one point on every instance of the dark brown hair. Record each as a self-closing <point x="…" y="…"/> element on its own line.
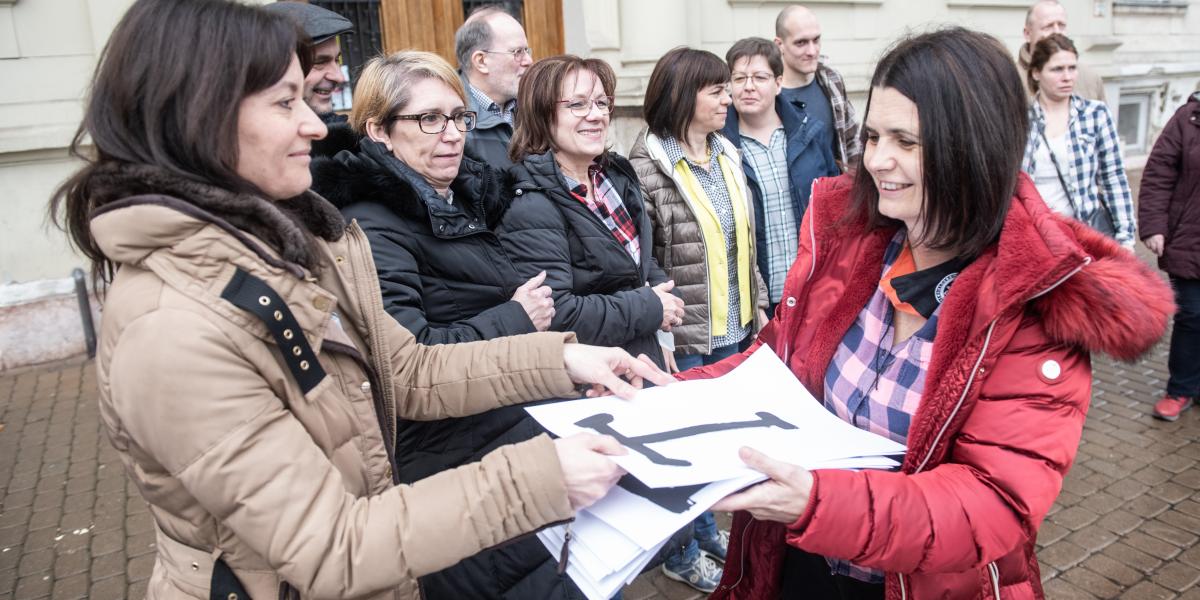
<point x="538" y="100"/>
<point x="974" y="123"/>
<point x="755" y="46"/>
<point x="671" y="92"/>
<point x="1043" y="51"/>
<point x="166" y="93"/>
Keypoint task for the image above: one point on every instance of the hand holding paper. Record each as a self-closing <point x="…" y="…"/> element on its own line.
<point x="588" y="473"/>
<point x="782" y="498"/>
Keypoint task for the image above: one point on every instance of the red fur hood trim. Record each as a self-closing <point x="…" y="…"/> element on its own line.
<point x="1117" y="304"/>
<point x="1110" y="301"/>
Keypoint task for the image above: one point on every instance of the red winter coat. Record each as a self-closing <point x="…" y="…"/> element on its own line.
<point x="1169" y="202"/>
<point x="998" y="426"/>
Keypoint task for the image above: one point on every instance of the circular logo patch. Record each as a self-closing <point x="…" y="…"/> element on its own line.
<point x="943" y="287"/>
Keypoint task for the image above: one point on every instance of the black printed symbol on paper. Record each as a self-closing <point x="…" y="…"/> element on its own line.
<point x="601" y="423"/>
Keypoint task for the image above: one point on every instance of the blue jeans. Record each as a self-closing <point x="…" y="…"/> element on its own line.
<point x="1183" y="363"/>
<point x="691" y="361"/>
<point x="703" y="528"/>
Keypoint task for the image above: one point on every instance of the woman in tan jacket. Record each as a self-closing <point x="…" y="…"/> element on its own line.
<point x="249" y="376"/>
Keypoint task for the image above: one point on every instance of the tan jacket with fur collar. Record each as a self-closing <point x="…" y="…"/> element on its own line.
<point x="294" y="491"/>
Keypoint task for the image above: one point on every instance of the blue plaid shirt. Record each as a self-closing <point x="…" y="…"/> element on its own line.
<point x="1094" y="171"/>
<point x="507" y="113"/>
<point x="875" y="383"/>
<point x="780" y="223"/>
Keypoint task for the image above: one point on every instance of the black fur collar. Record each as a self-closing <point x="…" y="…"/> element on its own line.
<point x="371" y="173"/>
<point x="287" y="226"/>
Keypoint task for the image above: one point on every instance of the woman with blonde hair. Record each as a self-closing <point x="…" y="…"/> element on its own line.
<point x="430" y="214"/>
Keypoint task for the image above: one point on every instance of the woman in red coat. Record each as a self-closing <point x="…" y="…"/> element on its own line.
<point x="936" y="300"/>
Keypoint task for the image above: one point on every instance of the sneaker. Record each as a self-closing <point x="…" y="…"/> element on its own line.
<point x="1170" y="407"/>
<point x="716" y="547"/>
<point x="704" y="574"/>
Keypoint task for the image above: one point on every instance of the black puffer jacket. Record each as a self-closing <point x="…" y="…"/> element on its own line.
<point x="600" y="293"/>
<point x="445" y="277"/>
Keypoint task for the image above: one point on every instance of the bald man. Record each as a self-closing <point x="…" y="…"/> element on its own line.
<point x="812" y="86"/>
<point x="493" y="54"/>
<point x="1042" y="19"/>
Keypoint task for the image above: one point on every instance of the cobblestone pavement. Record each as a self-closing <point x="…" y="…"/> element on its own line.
<point x="1126" y="524"/>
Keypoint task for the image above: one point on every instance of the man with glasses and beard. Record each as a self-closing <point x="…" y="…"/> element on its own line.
<point x="493" y="53"/>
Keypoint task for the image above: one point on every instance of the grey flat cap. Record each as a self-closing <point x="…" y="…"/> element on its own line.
<point x="320" y="24"/>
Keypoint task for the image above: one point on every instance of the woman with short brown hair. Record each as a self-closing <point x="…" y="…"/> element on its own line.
<point x="578" y="215"/>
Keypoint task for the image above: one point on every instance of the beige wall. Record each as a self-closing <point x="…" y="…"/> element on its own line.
<point x="48" y="49"/>
<point x="1135" y="49"/>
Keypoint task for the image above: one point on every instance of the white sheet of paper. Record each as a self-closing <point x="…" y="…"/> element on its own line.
<point x="647" y="523"/>
<point x="761" y="384"/>
<point x="582" y="563"/>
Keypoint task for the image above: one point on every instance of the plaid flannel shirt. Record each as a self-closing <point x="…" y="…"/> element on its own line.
<point x="849" y="147"/>
<point x="1095" y="171"/>
<point x="875" y="383"/>
<point x="779" y="223"/>
<point x="507" y="113"/>
<point x="609" y="208"/>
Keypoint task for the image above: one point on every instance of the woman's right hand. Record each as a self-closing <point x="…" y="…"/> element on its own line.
<point x="672" y="306"/>
<point x="1155" y="243"/>
<point x="535" y="299"/>
<point x="586" y="468"/>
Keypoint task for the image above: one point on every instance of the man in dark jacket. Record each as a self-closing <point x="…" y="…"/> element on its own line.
<point x="782" y="153"/>
<point x="1169" y="219"/>
<point x="493" y="54"/>
<point x="325" y="78"/>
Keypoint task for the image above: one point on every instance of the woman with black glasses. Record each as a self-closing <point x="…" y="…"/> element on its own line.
<point x="578" y="213"/>
<point x="429" y="213"/>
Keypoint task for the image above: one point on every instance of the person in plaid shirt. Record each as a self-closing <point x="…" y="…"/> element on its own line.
<point x="937" y="301"/>
<point x="1073" y="153"/>
<point x="798" y="35"/>
<point x="577" y="213"/>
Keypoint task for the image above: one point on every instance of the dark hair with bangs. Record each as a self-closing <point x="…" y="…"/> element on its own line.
<point x="538" y="100"/>
<point x="166" y="93"/>
<point x="974" y="123"/>
<point x="671" y="92"/>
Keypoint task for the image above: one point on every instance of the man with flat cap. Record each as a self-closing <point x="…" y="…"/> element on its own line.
<point x="325" y="77"/>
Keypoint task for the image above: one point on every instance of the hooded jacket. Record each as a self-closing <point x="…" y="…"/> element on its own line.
<point x="445" y="277"/>
<point x="296" y="491"/>
<point x="999" y="422"/>
<point x="1169" y="201"/>
<point x="600" y="293"/>
<point x="679" y="243"/>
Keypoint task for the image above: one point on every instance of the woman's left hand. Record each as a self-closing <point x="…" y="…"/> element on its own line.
<point x="781" y="498"/>
<point x="603" y="369"/>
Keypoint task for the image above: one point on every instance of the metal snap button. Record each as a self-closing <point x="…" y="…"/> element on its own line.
<point x="365" y="387"/>
<point x="791" y="301"/>
<point x="297" y="351"/>
<point x="195" y="566"/>
<point x="304" y="365"/>
<point x="287" y="334"/>
<point x="1051" y="369"/>
<point x="278" y="315"/>
<point x="263" y="300"/>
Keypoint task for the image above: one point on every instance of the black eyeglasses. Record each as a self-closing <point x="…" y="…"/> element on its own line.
<point x="515" y="53"/>
<point x="434" y="123"/>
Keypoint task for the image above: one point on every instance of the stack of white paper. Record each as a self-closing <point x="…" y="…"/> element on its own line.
<point x="688" y="434"/>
